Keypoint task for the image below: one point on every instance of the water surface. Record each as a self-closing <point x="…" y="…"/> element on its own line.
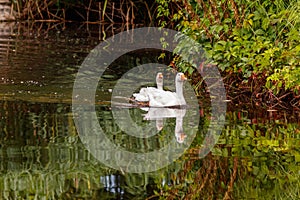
<point x="42" y="156"/>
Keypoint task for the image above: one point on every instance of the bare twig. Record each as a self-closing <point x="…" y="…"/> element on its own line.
<point x="232" y="179"/>
<point x="88" y="11"/>
<point x="38" y="9"/>
<point x="236" y="13"/>
<point x="215" y="11"/>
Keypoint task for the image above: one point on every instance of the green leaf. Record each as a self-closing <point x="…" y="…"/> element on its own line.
<point x="265" y="23"/>
<point x="227" y="20"/>
<point x="222" y="42"/>
<point x="190" y="70"/>
<point x="259" y="32"/>
<point x="218" y="47"/>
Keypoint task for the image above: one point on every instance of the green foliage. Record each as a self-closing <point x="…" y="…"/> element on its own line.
<point x="289" y="75"/>
<point x="246" y="37"/>
<point x="162" y="11"/>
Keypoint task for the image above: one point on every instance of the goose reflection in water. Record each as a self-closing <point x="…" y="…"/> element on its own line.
<point x="159" y="114"/>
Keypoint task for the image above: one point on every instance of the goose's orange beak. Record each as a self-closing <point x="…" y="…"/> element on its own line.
<point x="182" y="137"/>
<point x="160" y="75"/>
<point x="183" y="77"/>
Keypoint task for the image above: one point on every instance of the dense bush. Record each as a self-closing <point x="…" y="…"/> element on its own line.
<point x="251" y="39"/>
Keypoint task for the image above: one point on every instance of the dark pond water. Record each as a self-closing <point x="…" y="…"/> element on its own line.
<point x="42" y="155"/>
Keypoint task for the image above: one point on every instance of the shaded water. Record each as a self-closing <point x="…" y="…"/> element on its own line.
<point x="41" y="155"/>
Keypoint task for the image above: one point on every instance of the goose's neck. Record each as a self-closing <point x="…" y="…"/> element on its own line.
<point x="179" y="92"/>
<point x="160" y="86"/>
<point x="178" y="126"/>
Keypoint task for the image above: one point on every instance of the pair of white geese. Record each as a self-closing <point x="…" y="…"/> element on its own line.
<point x="157" y="97"/>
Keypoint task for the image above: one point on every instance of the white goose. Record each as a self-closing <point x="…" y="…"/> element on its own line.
<point x="161" y="98"/>
<point x="142" y="96"/>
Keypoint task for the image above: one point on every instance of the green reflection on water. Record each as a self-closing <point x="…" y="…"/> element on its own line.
<point x="41" y="155"/>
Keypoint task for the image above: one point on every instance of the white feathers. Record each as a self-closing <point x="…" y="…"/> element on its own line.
<point x="160" y="98"/>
